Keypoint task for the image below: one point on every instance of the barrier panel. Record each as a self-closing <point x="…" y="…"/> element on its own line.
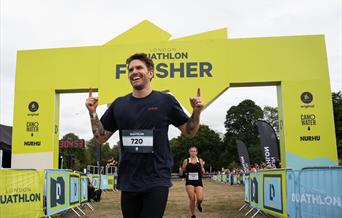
<point x="234" y="179"/>
<point x="74" y="189"/>
<point x="310" y="192"/>
<point x="84" y="188"/>
<point x="247" y="188"/>
<point x="57" y="191"/>
<point x="95" y="180"/>
<point x="242" y="177"/>
<point x="229" y="179"/>
<point x="224" y="178"/>
<point x="104" y="182"/>
<point x="111" y="183"/>
<point x="21" y="193"/>
<point x="273" y="192"/>
<point x="255" y="187"/>
<point x="315" y="192"/>
<point x="219" y="177"/>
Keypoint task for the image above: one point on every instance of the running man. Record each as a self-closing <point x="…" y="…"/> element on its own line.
<point x="194" y="168"/>
<point x="143" y="118"/>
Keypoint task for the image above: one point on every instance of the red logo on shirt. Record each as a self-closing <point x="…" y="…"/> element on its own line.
<point x="152" y="108"/>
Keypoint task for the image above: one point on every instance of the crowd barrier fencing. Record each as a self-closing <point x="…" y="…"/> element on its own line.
<point x="309" y="192"/>
<point x="42" y="193"/>
<point x="21" y="193"/>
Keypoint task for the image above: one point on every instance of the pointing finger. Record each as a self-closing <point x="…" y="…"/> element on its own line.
<point x="90" y="92"/>
<point x="198" y="92"/>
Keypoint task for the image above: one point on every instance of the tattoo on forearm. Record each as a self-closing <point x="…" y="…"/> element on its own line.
<point x="191" y="124"/>
<point x="97" y="126"/>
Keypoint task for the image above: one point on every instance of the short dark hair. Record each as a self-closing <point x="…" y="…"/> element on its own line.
<point x="142" y="57"/>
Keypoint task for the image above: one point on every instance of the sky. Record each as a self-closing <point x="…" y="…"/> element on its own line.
<point x="40" y="24"/>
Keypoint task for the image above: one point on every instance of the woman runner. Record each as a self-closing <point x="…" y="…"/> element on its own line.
<point x="193" y="167"/>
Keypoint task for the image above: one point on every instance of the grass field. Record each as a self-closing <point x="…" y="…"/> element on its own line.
<point x="220" y="200"/>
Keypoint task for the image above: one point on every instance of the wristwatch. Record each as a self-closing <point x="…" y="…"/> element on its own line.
<point x="93" y="115"/>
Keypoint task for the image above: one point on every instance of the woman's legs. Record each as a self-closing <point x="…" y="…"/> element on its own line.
<point x="199" y="196"/>
<point x="191" y="194"/>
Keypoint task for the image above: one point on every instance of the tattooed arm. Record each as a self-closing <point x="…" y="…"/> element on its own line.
<point x="99" y="132"/>
<point x="190" y="128"/>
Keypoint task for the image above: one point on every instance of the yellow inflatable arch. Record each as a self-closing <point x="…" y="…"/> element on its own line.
<point x="297" y="65"/>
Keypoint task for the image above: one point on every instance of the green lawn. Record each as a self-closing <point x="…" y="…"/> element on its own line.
<point x="220" y="200"/>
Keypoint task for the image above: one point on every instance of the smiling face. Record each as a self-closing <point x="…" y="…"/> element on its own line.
<point x="139" y="75"/>
<point x="193" y="152"/>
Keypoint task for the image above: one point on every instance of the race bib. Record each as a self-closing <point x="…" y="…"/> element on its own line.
<point x="137" y="141"/>
<point x="193" y="176"/>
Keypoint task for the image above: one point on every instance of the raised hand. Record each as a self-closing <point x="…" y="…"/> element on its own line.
<point x="91" y="102"/>
<point x="196" y="102"/>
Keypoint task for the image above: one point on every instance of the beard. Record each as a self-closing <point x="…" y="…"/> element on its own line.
<point x="140" y="86"/>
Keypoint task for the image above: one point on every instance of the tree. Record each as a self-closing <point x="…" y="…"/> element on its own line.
<point x="240" y="124"/>
<point x="337" y="107"/>
<point x="106" y="152"/>
<point x="271" y="116"/>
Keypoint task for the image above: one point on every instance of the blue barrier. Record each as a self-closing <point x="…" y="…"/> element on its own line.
<point x="310" y="192"/>
<point x="84" y="188"/>
<point x="74" y="190"/>
<point x="315" y="192"/>
<point x="95" y="180"/>
<point x="234" y="179"/>
<point x="104" y="182"/>
<point x="255" y="190"/>
<point x="57" y="189"/>
<point x="247" y="188"/>
<point x="274" y="192"/>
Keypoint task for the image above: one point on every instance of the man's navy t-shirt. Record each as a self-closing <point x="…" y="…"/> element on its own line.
<point x="141" y="171"/>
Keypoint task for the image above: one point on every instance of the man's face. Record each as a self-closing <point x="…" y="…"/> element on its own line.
<point x="138" y="74"/>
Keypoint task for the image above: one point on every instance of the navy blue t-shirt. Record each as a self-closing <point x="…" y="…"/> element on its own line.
<point x="141" y="171"/>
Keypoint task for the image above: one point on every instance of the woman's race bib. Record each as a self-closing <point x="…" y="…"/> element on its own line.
<point x="193" y="176"/>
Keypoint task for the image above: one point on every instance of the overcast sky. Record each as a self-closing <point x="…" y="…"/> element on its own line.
<point x="37" y="24"/>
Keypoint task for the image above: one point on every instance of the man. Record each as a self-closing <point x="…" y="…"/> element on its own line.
<point x="143" y="118"/>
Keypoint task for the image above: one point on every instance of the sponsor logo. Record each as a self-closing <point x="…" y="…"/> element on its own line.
<point x="33" y="106"/>
<point x="272" y="192"/>
<point x="308" y="119"/>
<point x="309" y="138"/>
<point x="32" y="126"/>
<point x="268" y="158"/>
<point x="254" y="190"/>
<point x="19" y="198"/>
<point x="306" y="97"/>
<point x="32" y="143"/>
<point x="317" y="199"/>
<point x="57" y="191"/>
